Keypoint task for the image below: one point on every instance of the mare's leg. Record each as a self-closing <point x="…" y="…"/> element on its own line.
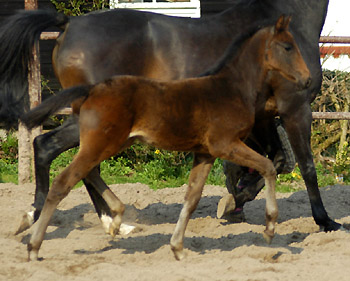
<point x="46" y="148"/>
<point x="202" y="164"/>
<point x="299" y="134"/>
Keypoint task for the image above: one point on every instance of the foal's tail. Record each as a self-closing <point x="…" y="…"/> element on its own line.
<point x="17" y="38"/>
<point x="48" y="107"/>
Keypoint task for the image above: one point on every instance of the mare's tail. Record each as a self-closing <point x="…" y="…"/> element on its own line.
<point x="48" y="107"/>
<point x="17" y="38"/>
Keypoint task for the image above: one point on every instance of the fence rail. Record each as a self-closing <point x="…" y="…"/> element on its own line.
<point x="331" y="115"/>
<point x="335" y="39"/>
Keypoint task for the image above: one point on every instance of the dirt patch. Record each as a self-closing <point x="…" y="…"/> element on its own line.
<point x="76" y="247"/>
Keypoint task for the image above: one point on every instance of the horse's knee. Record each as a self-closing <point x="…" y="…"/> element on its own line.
<point x="269" y="171"/>
<point x="41" y="155"/>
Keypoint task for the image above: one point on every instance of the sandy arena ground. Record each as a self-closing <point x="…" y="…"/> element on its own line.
<point x="76" y="247"/>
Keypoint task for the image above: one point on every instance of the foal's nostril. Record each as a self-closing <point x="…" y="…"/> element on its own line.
<point x="308" y="83"/>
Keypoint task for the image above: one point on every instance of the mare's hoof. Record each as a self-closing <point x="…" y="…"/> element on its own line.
<point x="268" y="235"/>
<point x="331" y="226"/>
<point x="226" y="205"/>
<point x="26" y="222"/>
<point x="345" y="227"/>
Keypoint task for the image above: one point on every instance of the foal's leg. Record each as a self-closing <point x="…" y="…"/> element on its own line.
<point x="245" y="156"/>
<point x="102" y="192"/>
<point x="61" y="186"/>
<point x="202" y="164"/>
<point x="46" y="148"/>
<point x="278" y="149"/>
<point x="236" y="184"/>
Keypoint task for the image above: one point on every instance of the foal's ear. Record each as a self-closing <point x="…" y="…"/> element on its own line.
<point x="282" y="23"/>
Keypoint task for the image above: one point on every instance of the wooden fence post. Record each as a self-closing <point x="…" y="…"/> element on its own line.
<point x="25" y="137"/>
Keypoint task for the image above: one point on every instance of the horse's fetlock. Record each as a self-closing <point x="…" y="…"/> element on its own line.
<point x="272" y="215"/>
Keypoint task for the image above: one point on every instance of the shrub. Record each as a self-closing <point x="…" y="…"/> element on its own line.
<point x="79" y="7"/>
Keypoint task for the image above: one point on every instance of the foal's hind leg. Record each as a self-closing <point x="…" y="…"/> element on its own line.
<point x="202" y="164"/>
<point x="46" y="148"/>
<point x="61" y="186"/>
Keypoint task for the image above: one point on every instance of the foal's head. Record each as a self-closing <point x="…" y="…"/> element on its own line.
<point x="283" y="55"/>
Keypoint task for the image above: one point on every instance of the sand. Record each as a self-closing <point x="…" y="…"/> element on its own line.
<point x="77" y="248"/>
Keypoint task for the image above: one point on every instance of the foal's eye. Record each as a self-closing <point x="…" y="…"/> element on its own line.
<point x="288" y="47"/>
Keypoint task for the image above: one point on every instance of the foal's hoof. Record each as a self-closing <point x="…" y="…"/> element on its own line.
<point x="113" y="231"/>
<point x="178" y="253"/>
<point x="126" y="229"/>
<point x="268" y="235"/>
<point x="26" y="222"/>
<point x="112" y="228"/>
<point x="32" y="254"/>
<point x="226" y="205"/>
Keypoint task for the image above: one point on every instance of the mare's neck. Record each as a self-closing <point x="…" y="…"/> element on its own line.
<point x="308" y="15"/>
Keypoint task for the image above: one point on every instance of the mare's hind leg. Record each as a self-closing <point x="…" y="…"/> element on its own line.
<point x="202" y="164"/>
<point x="245" y="156"/>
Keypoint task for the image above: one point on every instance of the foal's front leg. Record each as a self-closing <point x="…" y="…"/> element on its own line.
<point x="245" y="156"/>
<point x="202" y="164"/>
<point x="112" y="220"/>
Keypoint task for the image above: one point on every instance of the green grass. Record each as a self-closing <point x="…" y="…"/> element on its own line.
<point x="8" y="172"/>
<point x="148" y="165"/>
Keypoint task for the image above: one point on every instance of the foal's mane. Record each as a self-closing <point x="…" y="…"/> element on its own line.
<point x="236" y="43"/>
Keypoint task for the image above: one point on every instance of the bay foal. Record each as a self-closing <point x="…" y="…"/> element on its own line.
<point x="209" y="115"/>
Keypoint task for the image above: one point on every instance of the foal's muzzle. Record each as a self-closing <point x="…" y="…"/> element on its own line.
<point x="307" y="83"/>
<point x="304" y="83"/>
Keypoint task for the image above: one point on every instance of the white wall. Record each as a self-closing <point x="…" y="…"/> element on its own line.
<point x="337" y="24"/>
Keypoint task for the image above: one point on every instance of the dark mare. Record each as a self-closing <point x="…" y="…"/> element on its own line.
<point x="211" y="116"/>
<point x="100" y="45"/>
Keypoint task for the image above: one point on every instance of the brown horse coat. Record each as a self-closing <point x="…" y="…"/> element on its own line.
<point x="210" y="116"/>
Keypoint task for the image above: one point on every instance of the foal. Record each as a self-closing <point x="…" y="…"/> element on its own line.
<point x="209" y="115"/>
